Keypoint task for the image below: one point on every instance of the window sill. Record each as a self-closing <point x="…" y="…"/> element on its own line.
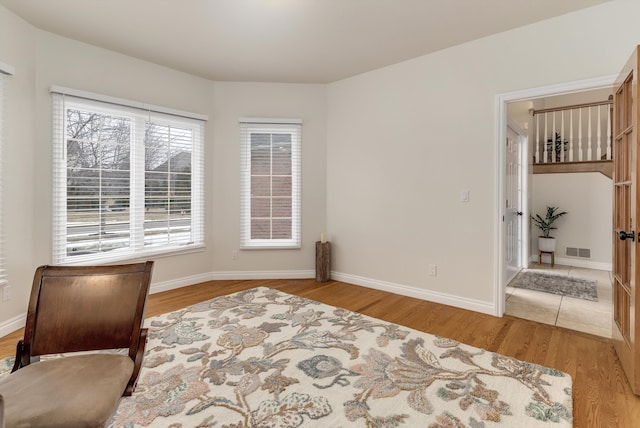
<point x="270" y="247"/>
<point x="129" y="257"/>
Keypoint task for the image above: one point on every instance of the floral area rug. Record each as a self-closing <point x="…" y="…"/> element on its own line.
<point x="263" y="358"/>
<point x="570" y="286"/>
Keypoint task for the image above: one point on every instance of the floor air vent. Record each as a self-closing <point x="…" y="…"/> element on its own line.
<point x="578" y="252"/>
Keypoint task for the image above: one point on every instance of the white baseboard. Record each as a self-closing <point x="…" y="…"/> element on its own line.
<point x="229" y="275"/>
<point x="179" y="283"/>
<point x="13" y="324"/>
<point x="266" y="274"/>
<point x="573" y="262"/>
<point x="18" y="322"/>
<point x="406" y="290"/>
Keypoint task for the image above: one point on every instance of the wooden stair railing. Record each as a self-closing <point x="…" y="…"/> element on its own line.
<point x="604" y="167"/>
<point x="574" y="138"/>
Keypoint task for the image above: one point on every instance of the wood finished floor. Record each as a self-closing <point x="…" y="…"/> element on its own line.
<point x="602" y="397"/>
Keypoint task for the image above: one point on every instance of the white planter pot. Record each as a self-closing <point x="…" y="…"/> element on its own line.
<point x="546" y="244"/>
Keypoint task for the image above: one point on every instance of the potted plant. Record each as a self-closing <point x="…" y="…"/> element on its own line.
<point x="546" y="242"/>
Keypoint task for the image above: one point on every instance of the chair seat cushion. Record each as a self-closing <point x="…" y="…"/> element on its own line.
<point x="72" y="391"/>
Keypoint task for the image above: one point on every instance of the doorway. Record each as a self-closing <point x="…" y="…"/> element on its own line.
<point x="502" y="267"/>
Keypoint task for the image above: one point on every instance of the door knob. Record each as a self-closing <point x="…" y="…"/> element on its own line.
<point x="518" y="212"/>
<point x="625" y="235"/>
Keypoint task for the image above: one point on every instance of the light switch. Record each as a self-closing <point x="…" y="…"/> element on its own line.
<point x="464" y="195"/>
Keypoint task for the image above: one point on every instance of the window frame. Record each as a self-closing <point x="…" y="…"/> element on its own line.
<point x="250" y="126"/>
<point x="136" y="249"/>
<point x="6" y="71"/>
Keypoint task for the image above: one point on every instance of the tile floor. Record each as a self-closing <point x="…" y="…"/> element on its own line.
<point x="576" y="314"/>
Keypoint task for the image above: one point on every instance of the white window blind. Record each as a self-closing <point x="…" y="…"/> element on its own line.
<point x="128" y="182"/>
<point x="270" y="183"/>
<point x="5" y="70"/>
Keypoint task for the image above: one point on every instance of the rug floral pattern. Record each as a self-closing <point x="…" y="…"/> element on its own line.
<point x="263" y="358"/>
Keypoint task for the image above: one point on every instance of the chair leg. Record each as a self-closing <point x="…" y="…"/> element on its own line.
<point x="20" y="354"/>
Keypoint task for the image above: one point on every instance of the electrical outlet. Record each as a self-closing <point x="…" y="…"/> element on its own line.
<point x="433" y="270"/>
<point x="235" y="255"/>
<point x="6" y="293"/>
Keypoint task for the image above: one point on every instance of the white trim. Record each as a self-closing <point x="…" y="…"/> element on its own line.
<point x="124" y="102"/>
<point x="576" y="262"/>
<point x="523" y="150"/>
<point x="406" y="290"/>
<point x="501" y="101"/>
<point x="229" y="275"/>
<point x="560" y="88"/>
<point x="294" y="130"/>
<point x="267" y="274"/>
<point x="7" y="69"/>
<point x="268" y="120"/>
<point x="192" y="240"/>
<point x="18" y="322"/>
<point x="13" y="324"/>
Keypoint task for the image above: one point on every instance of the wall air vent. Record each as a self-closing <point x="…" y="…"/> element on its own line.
<point x="584" y="253"/>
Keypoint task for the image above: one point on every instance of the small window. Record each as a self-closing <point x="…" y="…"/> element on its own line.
<point x="270" y="183"/>
<point x="128" y="183"/>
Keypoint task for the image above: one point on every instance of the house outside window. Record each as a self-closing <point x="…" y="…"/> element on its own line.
<point x="128" y="182"/>
<point x="270" y="183"/>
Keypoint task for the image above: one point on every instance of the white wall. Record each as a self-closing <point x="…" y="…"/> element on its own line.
<point x="231" y="102"/>
<point x="587" y="198"/>
<point x="403" y="141"/>
<point x="65" y="62"/>
<point x="19" y="151"/>
<point x="43" y="59"/>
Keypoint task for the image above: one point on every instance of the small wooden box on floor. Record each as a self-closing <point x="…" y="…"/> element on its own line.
<point x="323" y="261"/>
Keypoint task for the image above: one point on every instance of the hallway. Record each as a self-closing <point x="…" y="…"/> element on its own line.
<point x="575" y="314"/>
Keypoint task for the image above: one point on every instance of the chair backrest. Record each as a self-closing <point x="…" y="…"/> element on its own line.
<point x="77" y="308"/>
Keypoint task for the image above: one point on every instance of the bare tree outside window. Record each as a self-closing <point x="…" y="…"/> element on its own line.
<point x="98" y="182"/>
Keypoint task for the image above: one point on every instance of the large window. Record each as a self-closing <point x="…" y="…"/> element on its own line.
<point x="270" y="183"/>
<point x="128" y="182"/>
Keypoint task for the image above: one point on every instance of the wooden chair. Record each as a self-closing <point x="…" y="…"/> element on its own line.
<point x="94" y="316"/>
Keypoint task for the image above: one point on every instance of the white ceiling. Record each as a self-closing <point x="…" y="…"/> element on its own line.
<point x="305" y="41"/>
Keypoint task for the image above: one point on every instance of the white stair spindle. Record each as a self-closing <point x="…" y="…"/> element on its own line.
<point x="570" y="135"/>
<point x="589" y="149"/>
<point x="553" y="139"/>
<point x="609" y="157"/>
<point x="599" y="142"/>
<point x="545" y="151"/>
<point x="562" y="136"/>
<point x="580" y="134"/>
<point x="537" y="159"/>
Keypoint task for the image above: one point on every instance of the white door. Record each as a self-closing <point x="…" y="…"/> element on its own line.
<point x="513" y="213"/>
